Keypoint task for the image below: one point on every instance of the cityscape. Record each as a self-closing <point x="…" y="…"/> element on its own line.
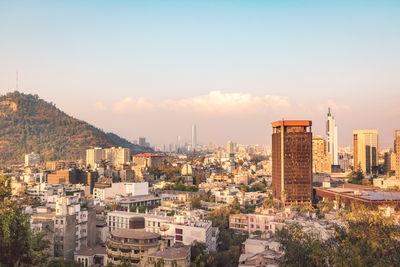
<point x="188" y="134"/>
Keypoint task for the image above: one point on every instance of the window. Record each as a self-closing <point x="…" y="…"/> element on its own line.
<point x="178" y="231"/>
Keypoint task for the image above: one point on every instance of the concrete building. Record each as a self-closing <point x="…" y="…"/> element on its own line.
<point x="148" y="160"/>
<point x="332" y="133"/>
<point x="179" y="228"/>
<point x="60" y="165"/>
<point x="74" y="227"/>
<point x="177" y="256"/>
<point x="116" y="156"/>
<point x="94" y="157"/>
<point x="32" y="159"/>
<point x="91" y="256"/>
<point x="230" y="147"/>
<point x="74" y="176"/>
<point x="365" y="152"/>
<point x="292" y="161"/>
<point x="194" y="137"/>
<point x="102" y="192"/>
<point x="142" y="141"/>
<point x="250" y="223"/>
<point x="321" y="158"/>
<point x="132" y="245"/>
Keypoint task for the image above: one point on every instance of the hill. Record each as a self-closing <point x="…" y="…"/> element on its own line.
<point x="30" y="124"/>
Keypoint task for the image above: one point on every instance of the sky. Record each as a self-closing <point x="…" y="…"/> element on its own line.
<point x="153" y="68"/>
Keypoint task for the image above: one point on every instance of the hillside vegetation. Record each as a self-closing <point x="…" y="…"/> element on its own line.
<point x="30" y="124"/>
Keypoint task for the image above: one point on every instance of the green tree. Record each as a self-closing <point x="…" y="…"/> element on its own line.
<point x="19" y="246"/>
<point x="368" y="239"/>
<point x="355" y="177"/>
<point x="60" y="262"/>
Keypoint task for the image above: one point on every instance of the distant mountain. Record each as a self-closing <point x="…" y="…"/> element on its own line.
<point x="30" y="124"/>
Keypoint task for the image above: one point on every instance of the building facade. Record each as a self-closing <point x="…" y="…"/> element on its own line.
<point x="365" y="150"/>
<point x="321" y="157"/>
<point x="292" y="161"/>
<point x="32" y="159"/>
<point x="332" y="133"/>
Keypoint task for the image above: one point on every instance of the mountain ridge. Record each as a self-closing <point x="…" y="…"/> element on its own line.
<point x="31" y="124"/>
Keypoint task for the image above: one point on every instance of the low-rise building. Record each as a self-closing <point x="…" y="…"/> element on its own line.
<point x="133" y="245"/>
<point x="92" y="256"/>
<point x="103" y="191"/>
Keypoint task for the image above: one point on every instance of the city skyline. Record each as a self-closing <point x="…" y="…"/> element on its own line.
<point x="163" y="66"/>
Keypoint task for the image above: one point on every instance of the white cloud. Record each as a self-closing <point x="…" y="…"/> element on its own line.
<point x="215" y="103"/>
<point x="130" y="103"/>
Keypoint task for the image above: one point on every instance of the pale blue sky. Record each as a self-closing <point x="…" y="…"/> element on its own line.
<point x="86" y="54"/>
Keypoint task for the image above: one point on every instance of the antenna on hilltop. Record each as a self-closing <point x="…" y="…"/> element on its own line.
<point x="16" y="81"/>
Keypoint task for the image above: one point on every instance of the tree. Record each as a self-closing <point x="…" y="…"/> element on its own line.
<point x="19" y="246"/>
<point x="235" y="205"/>
<point x="355" y="177"/>
<point x="368" y="239"/>
<point x="60" y="262"/>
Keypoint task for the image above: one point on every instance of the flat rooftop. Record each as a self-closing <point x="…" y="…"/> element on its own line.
<point x="291" y="123"/>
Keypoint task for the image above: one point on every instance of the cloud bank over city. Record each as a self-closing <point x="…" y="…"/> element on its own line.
<point x="220" y="116"/>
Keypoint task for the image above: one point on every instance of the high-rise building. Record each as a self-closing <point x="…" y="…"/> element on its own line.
<point x="94" y="156"/>
<point x="230" y="147"/>
<point x="194" y="137"/>
<point x="117" y="156"/>
<point x="178" y="143"/>
<point x="332" y="133"/>
<point x="142" y="141"/>
<point x="32" y="159"/>
<point x="292" y="161"/>
<point x="321" y="158"/>
<point x="397" y="151"/>
<point x="113" y="156"/>
<point x="365" y="151"/>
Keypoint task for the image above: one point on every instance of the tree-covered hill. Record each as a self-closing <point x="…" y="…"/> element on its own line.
<point x="30" y="124"/>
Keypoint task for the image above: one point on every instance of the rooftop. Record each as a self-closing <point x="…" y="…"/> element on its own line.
<point x="147" y="155"/>
<point x="291" y="123"/>
<point x="173" y="253"/>
<point x="135" y="234"/>
<point x="91" y="251"/>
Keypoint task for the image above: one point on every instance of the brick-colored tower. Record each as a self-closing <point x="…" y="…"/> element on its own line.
<point x="292" y="161"/>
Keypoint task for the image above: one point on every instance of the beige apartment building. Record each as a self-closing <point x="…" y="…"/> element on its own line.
<point x="365" y="150"/>
<point x="321" y="157"/>
<point x="115" y="156"/>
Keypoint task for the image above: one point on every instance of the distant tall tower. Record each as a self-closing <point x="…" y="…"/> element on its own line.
<point x="292" y="161"/>
<point x="332" y="133"/>
<point x="178" y="143"/>
<point x="194" y="137"/>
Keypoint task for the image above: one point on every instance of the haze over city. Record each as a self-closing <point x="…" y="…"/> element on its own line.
<point x="153" y="68"/>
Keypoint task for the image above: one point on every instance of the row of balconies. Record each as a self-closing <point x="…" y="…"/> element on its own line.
<point x="126" y="255"/>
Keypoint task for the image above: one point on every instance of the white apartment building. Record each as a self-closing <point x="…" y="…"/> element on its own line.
<point x="123" y="189"/>
<point x="181" y="228"/>
<point x="32" y="159"/>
